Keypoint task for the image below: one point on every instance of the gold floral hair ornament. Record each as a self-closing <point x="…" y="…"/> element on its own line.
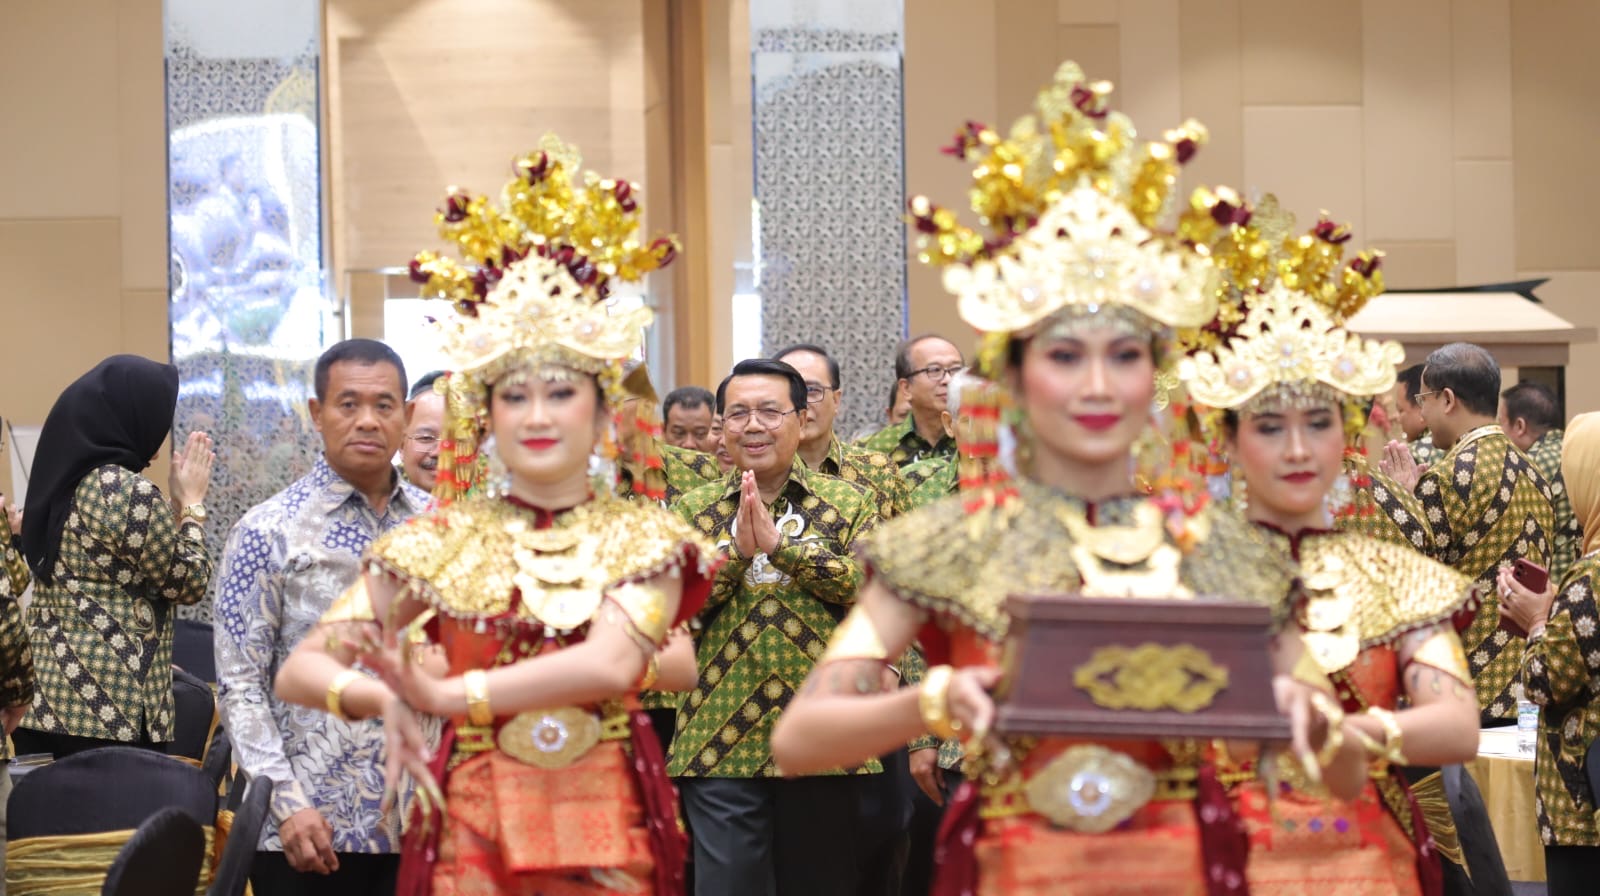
<point x="1072" y="205"/>
<point x="1288" y="347"/>
<point x="530" y="292"/>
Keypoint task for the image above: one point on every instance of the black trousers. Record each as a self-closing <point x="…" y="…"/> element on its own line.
<point x="359" y="874"/>
<point x="1571" y="870"/>
<point x="885" y="827"/>
<point x="926" y="817"/>
<point x="28" y="740"/>
<point x="777" y="837"/>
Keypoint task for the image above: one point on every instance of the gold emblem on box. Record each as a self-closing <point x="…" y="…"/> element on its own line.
<point x="1151" y="677"/>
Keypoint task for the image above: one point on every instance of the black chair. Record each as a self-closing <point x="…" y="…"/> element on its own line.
<point x="106" y="789"/>
<point x="192" y="649"/>
<point x="1478" y="844"/>
<point x="196" y="709"/>
<point x="233" y="870"/>
<point x="219" y="758"/>
<point x="162" y="858"/>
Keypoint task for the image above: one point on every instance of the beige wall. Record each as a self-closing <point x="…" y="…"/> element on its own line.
<point x="1453" y="134"/>
<point x="83" y="214"/>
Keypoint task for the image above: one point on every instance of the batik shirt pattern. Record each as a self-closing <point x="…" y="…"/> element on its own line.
<point x="1488" y="506"/>
<point x="16" y="653"/>
<point x="1561" y="673"/>
<point x="284" y="563"/>
<point x="768" y="619"/>
<point x="931" y="480"/>
<point x="102" y="628"/>
<point x="1545" y="453"/>
<point x="904" y="445"/>
<point x="872" y="469"/>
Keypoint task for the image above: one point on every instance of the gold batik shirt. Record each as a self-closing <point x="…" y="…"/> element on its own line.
<point x="1561" y="673"/>
<point x="931" y="479"/>
<point x="904" y="445"/>
<point x="101" y="630"/>
<point x="1488" y="506"/>
<point x="768" y="619"/>
<point x="16" y="654"/>
<point x="1385" y="511"/>
<point x="684" y="470"/>
<point x="1545" y="453"/>
<point x="1424" y="452"/>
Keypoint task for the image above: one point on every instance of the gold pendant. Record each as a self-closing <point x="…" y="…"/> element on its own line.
<point x="553" y="738"/>
<point x="1090" y="789"/>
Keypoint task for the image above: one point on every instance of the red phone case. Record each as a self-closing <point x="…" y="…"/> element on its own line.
<point x="1531" y="576"/>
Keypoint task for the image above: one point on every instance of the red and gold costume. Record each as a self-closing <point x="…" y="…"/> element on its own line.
<point x="555" y="801"/>
<point x="1279" y="344"/>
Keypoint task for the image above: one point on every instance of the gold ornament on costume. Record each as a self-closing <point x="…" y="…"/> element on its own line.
<point x="1289" y="343"/>
<point x="1071" y="202"/>
<point x="530" y="291"/>
<point x="1151" y="677"/>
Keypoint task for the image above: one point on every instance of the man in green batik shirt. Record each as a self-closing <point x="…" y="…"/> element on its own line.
<point x="924" y="366"/>
<point x="1487" y="504"/>
<point x="1531" y="419"/>
<point x="788" y="533"/>
<point x="820" y="447"/>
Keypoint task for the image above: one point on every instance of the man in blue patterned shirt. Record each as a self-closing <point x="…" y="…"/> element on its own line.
<point x="284" y="564"/>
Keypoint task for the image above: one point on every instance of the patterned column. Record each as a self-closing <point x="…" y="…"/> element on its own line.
<point x="830" y="186"/>
<point x="248" y="311"/>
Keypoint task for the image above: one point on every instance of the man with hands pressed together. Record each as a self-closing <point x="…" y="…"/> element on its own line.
<point x="788" y="532"/>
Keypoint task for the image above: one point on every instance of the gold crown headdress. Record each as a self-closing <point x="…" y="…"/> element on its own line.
<point x="1072" y="204"/>
<point x="531" y="291"/>
<point x="1287" y="347"/>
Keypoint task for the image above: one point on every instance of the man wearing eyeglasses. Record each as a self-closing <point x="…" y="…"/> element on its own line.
<point x="419" y="453"/>
<point x="789" y="534"/>
<point x="1488" y="505"/>
<point x="924" y="365"/>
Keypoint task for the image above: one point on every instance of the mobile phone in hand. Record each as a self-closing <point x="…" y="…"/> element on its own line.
<point x="1531" y="576"/>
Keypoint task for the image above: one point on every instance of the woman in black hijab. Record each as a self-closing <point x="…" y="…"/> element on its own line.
<point x="111" y="557"/>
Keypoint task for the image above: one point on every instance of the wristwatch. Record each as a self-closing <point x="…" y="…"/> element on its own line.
<point x="196" y="512"/>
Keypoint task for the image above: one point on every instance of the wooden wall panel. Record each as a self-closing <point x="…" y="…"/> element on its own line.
<point x="1309" y="157"/>
<point x="1300" y="52"/>
<point x="1407" y="126"/>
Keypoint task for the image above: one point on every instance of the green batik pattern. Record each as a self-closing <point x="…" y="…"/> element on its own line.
<point x="768" y="619"/>
<point x="1560" y="670"/>
<point x="904" y="445"/>
<point x="871" y="469"/>
<point x="1387" y="512"/>
<point x="936" y="479"/>
<point x="1546" y="455"/>
<point x="1424" y="452"/>
<point x="16" y="653"/>
<point x="102" y="628"/>
<point x="1488" y="506"/>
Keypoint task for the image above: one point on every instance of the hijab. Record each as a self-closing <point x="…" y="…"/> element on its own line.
<point x="118" y="414"/>
<point x="1580" y="468"/>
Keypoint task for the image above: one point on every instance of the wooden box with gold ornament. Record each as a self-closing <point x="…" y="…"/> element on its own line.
<point x="1138" y="667"/>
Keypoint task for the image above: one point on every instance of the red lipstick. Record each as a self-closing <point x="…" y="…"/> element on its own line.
<point x="1300" y="478"/>
<point x="1097" y="422"/>
<point x="540" y="444"/>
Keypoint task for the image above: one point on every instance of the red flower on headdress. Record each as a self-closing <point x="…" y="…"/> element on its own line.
<point x="967" y="139"/>
<point x="1329" y="232"/>
<point x="455" y="207"/>
<point x="533" y="168"/>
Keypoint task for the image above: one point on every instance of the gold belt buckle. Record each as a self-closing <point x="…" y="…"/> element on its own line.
<point x="550" y="738"/>
<point x="1090" y="789"/>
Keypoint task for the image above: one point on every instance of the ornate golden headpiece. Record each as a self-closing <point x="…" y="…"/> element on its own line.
<point x="1072" y="204"/>
<point x="1287" y="347"/>
<point x="531" y="290"/>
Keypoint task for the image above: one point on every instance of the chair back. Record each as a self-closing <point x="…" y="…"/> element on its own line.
<point x="219" y="758"/>
<point x="196" y="708"/>
<point x="162" y="858"/>
<point x="192" y="649"/>
<point x="1478" y="845"/>
<point x="233" y="870"/>
<point x="106" y="789"/>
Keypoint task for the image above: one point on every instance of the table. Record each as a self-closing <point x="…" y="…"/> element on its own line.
<point x="1505" y="777"/>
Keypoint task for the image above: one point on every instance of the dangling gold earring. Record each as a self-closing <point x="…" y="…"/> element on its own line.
<point x="1239" y="493"/>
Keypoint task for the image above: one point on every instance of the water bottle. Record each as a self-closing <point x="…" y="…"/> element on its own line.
<point x="1527" y="726"/>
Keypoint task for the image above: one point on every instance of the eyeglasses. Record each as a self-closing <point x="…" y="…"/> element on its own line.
<point x="939" y="374"/>
<point x="1417" y="398"/>
<point x="815" y="393"/>
<point x="738" y="421"/>
<point x="424" y="441"/>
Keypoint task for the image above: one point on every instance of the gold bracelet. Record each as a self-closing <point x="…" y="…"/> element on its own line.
<point x="652" y="670"/>
<point x="1393" y="737"/>
<point x="1334" y="715"/>
<point x="933" y="701"/>
<point x="335" y="697"/>
<point x="476" y="682"/>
